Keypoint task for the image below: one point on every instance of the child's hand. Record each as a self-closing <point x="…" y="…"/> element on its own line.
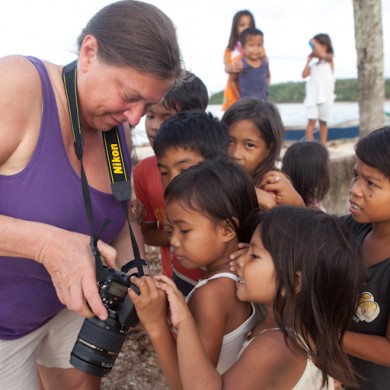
<point x="242" y="249"/>
<point x="151" y="304"/>
<point x="265" y="199"/>
<point x="178" y="307"/>
<point x="237" y="66"/>
<point x="137" y="211"/>
<point x="280" y="186"/>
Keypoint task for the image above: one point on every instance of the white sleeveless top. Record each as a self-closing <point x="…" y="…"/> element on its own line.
<point x="231" y="342"/>
<point x="320" y="86"/>
<point x="311" y="378"/>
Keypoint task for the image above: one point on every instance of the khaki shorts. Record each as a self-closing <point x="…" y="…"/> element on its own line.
<point x="50" y="346"/>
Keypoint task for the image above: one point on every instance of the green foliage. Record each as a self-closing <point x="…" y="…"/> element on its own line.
<point x="346" y="90"/>
<point x="216" y="98"/>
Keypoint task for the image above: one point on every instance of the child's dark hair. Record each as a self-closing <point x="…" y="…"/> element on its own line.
<point x="234" y="37"/>
<point x="267" y="119"/>
<point x="324" y="39"/>
<point x="198" y="131"/>
<point x="249" y="32"/>
<point x="221" y="190"/>
<point x="319" y="274"/>
<point x="307" y="165"/>
<point x="374" y="150"/>
<point x="190" y="94"/>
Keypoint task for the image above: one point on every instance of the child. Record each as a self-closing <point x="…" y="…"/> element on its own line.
<point x="191" y="94"/>
<point x="307" y="165"/>
<point x="208" y="208"/>
<point x="368" y="338"/>
<point x="255" y="77"/>
<point x="256" y="134"/>
<point x="320" y="87"/>
<point x="306" y="270"/>
<point x="232" y="56"/>
<point x="185" y="140"/>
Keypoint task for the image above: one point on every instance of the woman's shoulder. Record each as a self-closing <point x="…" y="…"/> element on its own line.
<point x="21" y="93"/>
<point x="17" y="74"/>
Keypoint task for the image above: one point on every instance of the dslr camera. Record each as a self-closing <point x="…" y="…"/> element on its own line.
<point x="99" y="342"/>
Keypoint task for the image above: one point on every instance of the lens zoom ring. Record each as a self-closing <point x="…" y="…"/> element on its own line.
<point x="102" y="338"/>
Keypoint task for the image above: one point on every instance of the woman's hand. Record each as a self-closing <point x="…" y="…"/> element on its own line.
<point x="68" y="259"/>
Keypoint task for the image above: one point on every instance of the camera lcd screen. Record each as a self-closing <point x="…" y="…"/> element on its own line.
<point x="119" y="290"/>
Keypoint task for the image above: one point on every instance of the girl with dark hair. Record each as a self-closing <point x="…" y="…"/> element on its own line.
<point x="256" y="133"/>
<point x="307" y="165"/>
<point x="233" y="53"/>
<point x="306" y="270"/>
<point x="368" y="341"/>
<point x="320" y="87"/>
<point x="208" y="208"/>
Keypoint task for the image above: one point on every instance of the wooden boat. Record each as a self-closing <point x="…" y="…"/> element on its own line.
<point x="343" y="131"/>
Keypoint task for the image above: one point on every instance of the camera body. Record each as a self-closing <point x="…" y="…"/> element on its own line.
<point x="99" y="342"/>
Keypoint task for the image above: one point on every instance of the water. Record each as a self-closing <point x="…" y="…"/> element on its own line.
<point x="293" y="114"/>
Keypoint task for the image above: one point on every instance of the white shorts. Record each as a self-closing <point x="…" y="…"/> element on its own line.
<point x="322" y="112"/>
<point x="50" y="346"/>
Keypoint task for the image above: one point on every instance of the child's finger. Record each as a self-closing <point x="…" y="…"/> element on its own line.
<point x="233" y="266"/>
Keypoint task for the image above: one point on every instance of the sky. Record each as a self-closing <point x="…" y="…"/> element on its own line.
<point x="48" y="29"/>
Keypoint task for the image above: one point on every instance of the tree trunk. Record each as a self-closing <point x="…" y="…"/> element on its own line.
<point x="369" y="48"/>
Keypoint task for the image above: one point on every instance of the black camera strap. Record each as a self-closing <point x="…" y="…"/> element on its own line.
<point x="120" y="183"/>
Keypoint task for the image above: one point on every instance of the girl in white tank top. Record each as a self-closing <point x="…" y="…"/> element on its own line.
<point x="306" y="271"/>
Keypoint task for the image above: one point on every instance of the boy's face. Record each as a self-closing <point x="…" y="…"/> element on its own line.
<point x="174" y="161"/>
<point x="155" y="116"/>
<point x="253" y="48"/>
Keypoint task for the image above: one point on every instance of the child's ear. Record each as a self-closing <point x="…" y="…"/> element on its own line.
<point x="228" y="230"/>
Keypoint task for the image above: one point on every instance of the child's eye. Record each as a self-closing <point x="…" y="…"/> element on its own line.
<point x="184" y="231"/>
<point x="254" y="256"/>
<point x="162" y="173"/>
<point x="250" y="145"/>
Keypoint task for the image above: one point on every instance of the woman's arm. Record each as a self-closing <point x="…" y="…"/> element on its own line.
<point x="65" y="255"/>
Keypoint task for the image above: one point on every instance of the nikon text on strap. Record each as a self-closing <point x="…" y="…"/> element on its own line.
<point x="120" y="183"/>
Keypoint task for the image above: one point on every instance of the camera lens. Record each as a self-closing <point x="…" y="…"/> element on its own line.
<point x="98" y="345"/>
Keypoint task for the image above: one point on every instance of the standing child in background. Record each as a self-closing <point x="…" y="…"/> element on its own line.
<point x="232" y="56"/>
<point x="256" y="134"/>
<point x="191" y="94"/>
<point x="255" y="77"/>
<point x="307" y="165"/>
<point x="320" y="87"/>
<point x="306" y="270"/>
<point x="184" y="140"/>
<point x="368" y="339"/>
<point x="208" y="208"/>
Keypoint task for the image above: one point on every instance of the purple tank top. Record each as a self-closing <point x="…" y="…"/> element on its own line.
<point x="253" y="81"/>
<point x="47" y="190"/>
